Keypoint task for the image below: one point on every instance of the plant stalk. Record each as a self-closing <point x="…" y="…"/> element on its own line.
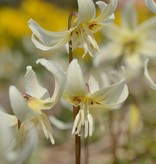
<point x="75" y="109"/>
<point x="86" y="151"/>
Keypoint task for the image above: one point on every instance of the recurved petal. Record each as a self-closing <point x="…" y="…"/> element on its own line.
<point x="113" y="95"/>
<point x="148" y="78"/>
<point x="75" y="81"/>
<point x="32" y="85"/>
<point x="151" y="4"/>
<point x="106" y="10"/>
<point x="86" y="10"/>
<point x="47" y="40"/>
<point x="59" y="76"/>
<point x="129" y="16"/>
<point x="19" y="105"/>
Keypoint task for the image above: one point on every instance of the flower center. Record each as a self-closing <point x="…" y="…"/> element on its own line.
<point x="33" y="103"/>
<point x="130" y="46"/>
<point x="85" y="103"/>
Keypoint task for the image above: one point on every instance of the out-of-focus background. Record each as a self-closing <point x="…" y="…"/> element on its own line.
<point x="17" y="51"/>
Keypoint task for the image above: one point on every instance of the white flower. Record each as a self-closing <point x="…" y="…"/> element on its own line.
<point x="28" y="108"/>
<point x="130" y="43"/>
<point x="12" y="150"/>
<point x="151" y="4"/>
<point x="89" y="97"/>
<point x="82" y="30"/>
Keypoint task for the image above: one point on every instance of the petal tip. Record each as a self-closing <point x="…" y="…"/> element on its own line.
<point x="29" y="67"/>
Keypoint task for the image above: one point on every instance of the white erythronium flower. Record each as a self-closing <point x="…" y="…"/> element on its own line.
<point x="151" y="4"/>
<point x="12" y="151"/>
<point x="129" y="43"/>
<point x="28" y="107"/>
<point x="89" y="97"/>
<point x="81" y="32"/>
<point x="148" y="78"/>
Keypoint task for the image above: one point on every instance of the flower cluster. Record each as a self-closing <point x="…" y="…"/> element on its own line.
<point x="128" y="46"/>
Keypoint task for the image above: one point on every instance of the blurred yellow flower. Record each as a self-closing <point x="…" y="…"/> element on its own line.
<point x="13" y="21"/>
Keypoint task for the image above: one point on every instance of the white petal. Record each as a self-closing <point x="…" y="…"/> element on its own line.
<point x="11" y="120"/>
<point x="151" y="4"/>
<point x="30" y="142"/>
<point x="106" y="10"/>
<point x="129" y="16"/>
<point x="148" y="78"/>
<point x="105" y="80"/>
<point x="86" y="128"/>
<point x="46" y="126"/>
<point x="93" y="85"/>
<point x="75" y="81"/>
<point x="6" y="137"/>
<point x="76" y="123"/>
<point x="19" y="105"/>
<point x="147" y="27"/>
<point x="112" y="95"/>
<point x="47" y="40"/>
<point x="148" y="49"/>
<point x="91" y="124"/>
<point x="32" y="86"/>
<point x="86" y="10"/>
<point x="133" y="62"/>
<point x="112" y="30"/>
<point x="59" y="76"/>
<point x="110" y="52"/>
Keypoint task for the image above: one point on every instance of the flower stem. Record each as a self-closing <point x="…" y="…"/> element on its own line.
<point x="75" y="109"/>
<point x="86" y="151"/>
<point x="77" y="140"/>
<point x="72" y="14"/>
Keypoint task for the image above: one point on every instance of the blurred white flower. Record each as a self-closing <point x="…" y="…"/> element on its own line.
<point x="89" y="97"/>
<point x="130" y="43"/>
<point x="82" y="29"/>
<point x="28" y="107"/>
<point x="12" y="151"/>
<point x="151" y="4"/>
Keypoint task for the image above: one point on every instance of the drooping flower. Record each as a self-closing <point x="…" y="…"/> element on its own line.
<point x="89" y="97"/>
<point x="12" y="151"/>
<point x="129" y="43"/>
<point x="82" y="29"/>
<point x="28" y="107"/>
<point x="151" y="4"/>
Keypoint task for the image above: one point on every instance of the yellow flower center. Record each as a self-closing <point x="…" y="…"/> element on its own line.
<point x="85" y="102"/>
<point x="130" y="46"/>
<point x="34" y="103"/>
